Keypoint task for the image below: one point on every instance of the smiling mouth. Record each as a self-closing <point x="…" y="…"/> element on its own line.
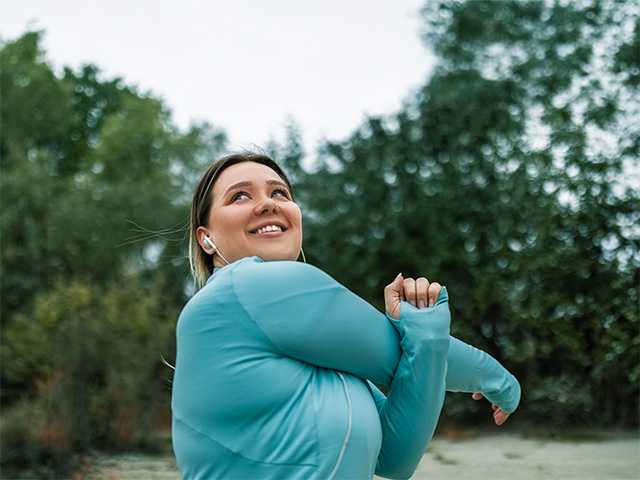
<point x="270" y="233"/>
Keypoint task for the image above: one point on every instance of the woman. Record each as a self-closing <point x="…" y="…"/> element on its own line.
<point x="275" y="359"/>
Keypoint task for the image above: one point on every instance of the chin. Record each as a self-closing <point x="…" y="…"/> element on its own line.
<point x="275" y="255"/>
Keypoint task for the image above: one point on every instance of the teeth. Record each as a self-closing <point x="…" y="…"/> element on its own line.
<point x="269" y="228"/>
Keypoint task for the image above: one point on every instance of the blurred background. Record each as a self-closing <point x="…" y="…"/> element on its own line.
<point x="491" y="145"/>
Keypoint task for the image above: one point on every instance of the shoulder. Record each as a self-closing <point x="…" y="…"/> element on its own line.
<point x="276" y="271"/>
<point x="276" y="291"/>
<point x="266" y="281"/>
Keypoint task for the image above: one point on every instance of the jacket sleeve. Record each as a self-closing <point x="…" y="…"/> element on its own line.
<point x="309" y="316"/>
<point x="415" y="400"/>
<point x="472" y="370"/>
<point x="293" y="302"/>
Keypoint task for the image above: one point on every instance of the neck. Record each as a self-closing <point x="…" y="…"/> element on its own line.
<point x="218" y="263"/>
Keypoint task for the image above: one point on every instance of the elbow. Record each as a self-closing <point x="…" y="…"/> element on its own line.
<point x="395" y="474"/>
<point x="395" y="470"/>
<point x="515" y="392"/>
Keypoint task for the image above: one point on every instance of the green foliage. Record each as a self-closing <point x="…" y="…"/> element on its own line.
<point x="36" y="107"/>
<point x="34" y="441"/>
<point x="504" y="179"/>
<point x="96" y="184"/>
<point x="83" y="160"/>
<point x="93" y="356"/>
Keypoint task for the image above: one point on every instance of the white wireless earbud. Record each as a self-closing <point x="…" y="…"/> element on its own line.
<point x="210" y="243"/>
<point x="215" y="249"/>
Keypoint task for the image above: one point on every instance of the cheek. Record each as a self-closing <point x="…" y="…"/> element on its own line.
<point x="231" y="221"/>
<point x="296" y="216"/>
<point x="297" y="219"/>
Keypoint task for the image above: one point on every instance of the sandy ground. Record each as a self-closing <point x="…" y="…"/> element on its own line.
<point x="513" y="458"/>
<point x="499" y="457"/>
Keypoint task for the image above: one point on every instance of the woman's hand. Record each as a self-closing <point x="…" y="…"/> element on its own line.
<point x="498" y="415"/>
<point x="419" y="293"/>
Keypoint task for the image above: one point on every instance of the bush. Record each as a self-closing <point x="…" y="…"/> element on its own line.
<point x="91" y="359"/>
<point x="34" y="437"/>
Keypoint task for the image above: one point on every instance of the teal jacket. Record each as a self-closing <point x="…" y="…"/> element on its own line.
<point x="275" y="371"/>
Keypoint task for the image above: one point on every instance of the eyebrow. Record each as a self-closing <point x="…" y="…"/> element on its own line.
<point x="247" y="184"/>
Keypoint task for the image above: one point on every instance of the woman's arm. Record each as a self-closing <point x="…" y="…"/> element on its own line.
<point x="469" y="369"/>
<point x="294" y="302"/>
<point x="417" y="392"/>
<point x="473" y="370"/>
<point x="309" y="316"/>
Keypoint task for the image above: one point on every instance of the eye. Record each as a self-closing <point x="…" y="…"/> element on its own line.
<point x="282" y="191"/>
<point x="235" y="195"/>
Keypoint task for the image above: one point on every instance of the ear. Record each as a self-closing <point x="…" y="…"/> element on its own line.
<point x="201" y="232"/>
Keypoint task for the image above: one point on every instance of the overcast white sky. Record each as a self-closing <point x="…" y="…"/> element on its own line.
<point x="243" y="65"/>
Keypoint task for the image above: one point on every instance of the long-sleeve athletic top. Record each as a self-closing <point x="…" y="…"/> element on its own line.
<point x="275" y="371"/>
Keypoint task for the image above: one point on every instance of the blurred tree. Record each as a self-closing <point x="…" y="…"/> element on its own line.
<point x="96" y="181"/>
<point x="92" y="354"/>
<point x="95" y="190"/>
<point x="504" y="179"/>
<point x="35" y="112"/>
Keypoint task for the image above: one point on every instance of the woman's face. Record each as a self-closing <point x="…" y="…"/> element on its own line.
<point x="238" y="210"/>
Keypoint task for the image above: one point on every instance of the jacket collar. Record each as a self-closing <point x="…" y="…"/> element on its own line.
<point x="243" y="259"/>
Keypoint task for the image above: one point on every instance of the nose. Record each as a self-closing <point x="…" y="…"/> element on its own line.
<point x="266" y="205"/>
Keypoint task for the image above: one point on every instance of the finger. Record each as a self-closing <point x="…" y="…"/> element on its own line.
<point x="500" y="417"/>
<point x="434" y="291"/>
<point x="393" y="296"/>
<point x="422" y="289"/>
<point x="410" y="290"/>
<point x="394" y="289"/>
<point x="477" y="396"/>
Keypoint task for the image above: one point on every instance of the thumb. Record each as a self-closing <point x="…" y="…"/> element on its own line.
<point x="393" y="296"/>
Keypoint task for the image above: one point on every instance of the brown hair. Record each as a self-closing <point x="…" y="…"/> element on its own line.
<point x="200" y="262"/>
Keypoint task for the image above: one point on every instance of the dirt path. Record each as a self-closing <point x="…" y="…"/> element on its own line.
<point x="506" y="457"/>
<point x="500" y="457"/>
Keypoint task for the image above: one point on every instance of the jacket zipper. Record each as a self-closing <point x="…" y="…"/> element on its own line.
<point x="348" y="434"/>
